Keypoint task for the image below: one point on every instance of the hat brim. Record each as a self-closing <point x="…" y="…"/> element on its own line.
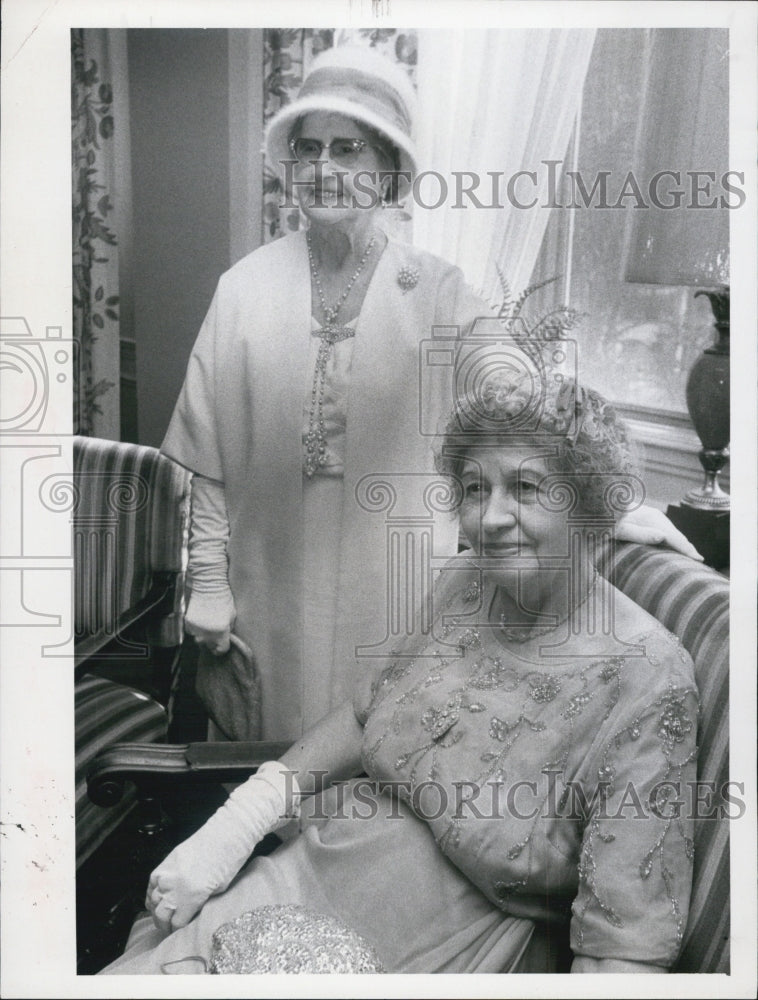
<point x="276" y="143"/>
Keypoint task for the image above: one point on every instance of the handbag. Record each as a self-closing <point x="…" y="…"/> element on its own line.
<point x="229" y="687"/>
<point x="290" y="939"/>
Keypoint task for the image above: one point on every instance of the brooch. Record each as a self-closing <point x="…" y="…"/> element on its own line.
<point x="407" y="277"/>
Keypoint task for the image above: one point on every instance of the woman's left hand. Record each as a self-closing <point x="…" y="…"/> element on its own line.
<point x="206" y="862"/>
<point x="650" y="526"/>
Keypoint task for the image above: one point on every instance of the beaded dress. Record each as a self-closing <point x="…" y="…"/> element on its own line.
<point x="558" y="772"/>
<point x="513" y="788"/>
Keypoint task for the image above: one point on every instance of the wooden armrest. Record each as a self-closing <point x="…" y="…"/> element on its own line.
<point x="152" y="766"/>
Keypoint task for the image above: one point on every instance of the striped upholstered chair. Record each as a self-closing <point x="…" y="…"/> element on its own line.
<point x="129" y="518"/>
<point x="692" y="601"/>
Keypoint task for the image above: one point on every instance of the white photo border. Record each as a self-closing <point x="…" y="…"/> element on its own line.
<point x="36" y="697"/>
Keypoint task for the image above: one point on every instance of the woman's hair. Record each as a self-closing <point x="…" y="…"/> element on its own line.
<point x="588" y="443"/>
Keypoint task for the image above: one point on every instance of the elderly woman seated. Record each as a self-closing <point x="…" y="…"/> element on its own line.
<point x="518" y="751"/>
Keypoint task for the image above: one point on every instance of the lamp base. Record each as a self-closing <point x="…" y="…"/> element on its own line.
<point x="708" y="404"/>
<point x="710" y="496"/>
<point x="708" y="499"/>
<point x="708" y="530"/>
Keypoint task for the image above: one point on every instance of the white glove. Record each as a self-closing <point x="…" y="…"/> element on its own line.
<point x="650" y="526"/>
<point x="206" y="862"/>
<point x="210" y="617"/>
<point x="210" y="612"/>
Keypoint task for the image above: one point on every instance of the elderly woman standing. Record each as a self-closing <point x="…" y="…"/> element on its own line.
<point x="525" y="752"/>
<point x="303" y="380"/>
<point x="299" y="385"/>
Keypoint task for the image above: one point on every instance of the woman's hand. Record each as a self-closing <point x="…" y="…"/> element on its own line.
<point x="206" y="862"/>
<point x="182" y="883"/>
<point x="210" y="617"/>
<point x="650" y="526"/>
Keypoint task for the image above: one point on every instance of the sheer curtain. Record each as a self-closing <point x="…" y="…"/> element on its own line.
<point x="495" y="101"/>
<point x="101" y="202"/>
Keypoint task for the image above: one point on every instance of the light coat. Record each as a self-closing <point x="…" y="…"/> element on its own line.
<point x="239" y="419"/>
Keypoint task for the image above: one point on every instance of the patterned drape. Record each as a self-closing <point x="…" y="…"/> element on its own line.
<point x="98" y="58"/>
<point x="287" y="56"/>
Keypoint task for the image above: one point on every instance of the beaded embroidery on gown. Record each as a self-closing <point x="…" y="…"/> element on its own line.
<point x="545" y="779"/>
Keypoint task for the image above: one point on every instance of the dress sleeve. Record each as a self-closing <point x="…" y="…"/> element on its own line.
<point x="192" y="438"/>
<point x="458" y="305"/>
<point x="635" y="867"/>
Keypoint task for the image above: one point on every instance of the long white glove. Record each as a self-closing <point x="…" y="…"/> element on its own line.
<point x="206" y="862"/>
<point x="210" y="612"/>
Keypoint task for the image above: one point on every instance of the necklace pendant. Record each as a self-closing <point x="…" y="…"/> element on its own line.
<point x="330" y="334"/>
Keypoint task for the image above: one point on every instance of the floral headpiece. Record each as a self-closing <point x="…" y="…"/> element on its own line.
<point x="546" y="404"/>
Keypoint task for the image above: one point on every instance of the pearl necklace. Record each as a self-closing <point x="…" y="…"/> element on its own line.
<point x="330" y="333"/>
<point x="523" y="633"/>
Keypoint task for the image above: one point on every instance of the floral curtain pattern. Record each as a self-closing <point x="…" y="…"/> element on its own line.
<point x="95" y="242"/>
<point x="287" y="57"/>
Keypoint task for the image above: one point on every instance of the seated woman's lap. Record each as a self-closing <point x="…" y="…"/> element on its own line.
<point x="376" y="868"/>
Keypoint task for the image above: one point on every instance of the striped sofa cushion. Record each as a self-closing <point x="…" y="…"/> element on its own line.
<point x="692" y="601"/>
<point x="107" y="713"/>
<point x="130" y="518"/>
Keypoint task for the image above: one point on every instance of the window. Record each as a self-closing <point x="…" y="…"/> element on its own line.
<point x="637" y="342"/>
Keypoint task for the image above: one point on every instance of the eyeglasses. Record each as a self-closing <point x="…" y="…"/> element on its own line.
<point x="345" y="152"/>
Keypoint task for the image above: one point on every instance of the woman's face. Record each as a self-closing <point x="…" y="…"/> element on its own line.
<point x="504" y="517"/>
<point x="328" y="187"/>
